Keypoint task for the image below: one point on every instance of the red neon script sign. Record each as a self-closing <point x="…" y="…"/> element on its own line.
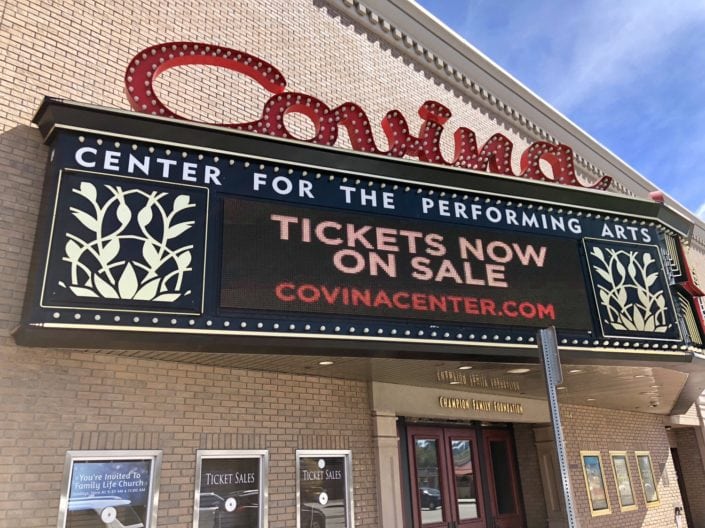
<point x="494" y="156"/>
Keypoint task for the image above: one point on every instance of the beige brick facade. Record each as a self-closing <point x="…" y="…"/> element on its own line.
<point x="54" y="400"/>
<point x="589" y="429"/>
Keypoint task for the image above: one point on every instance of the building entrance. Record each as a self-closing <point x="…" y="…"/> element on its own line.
<point x="463" y="477"/>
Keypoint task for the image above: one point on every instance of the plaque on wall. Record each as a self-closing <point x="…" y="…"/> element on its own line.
<point x="324" y="489"/>
<point x="648" y="481"/>
<point x="623" y="480"/>
<point x="595" y="483"/>
<point x="110" y="488"/>
<point x="231" y="489"/>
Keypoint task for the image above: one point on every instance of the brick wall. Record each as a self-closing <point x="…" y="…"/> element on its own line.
<point x="54" y="401"/>
<point x="592" y="429"/>
<point x="529" y="475"/>
<point x="693" y="472"/>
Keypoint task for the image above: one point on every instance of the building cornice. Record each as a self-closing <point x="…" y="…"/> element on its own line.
<point x="417" y="34"/>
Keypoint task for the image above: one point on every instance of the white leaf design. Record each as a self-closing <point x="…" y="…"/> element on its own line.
<point x="80" y="291"/>
<point x="622" y="296"/>
<point x="604" y="297"/>
<point x="602" y="273"/>
<point x="620" y="269"/>
<point x="638" y="319"/>
<point x="111" y="250"/>
<point x="124" y="214"/>
<point x="144" y="217"/>
<point x="167" y="297"/>
<point x="127" y="285"/>
<point x="660" y="300"/>
<point x="104" y="288"/>
<point x="651" y="279"/>
<point x="148" y="291"/>
<point x="178" y="229"/>
<point x="183" y="260"/>
<point x="598" y="253"/>
<point x="631" y="269"/>
<point x="86" y="219"/>
<point x="150" y="254"/>
<point x="649" y="324"/>
<point x="181" y="202"/>
<point x="88" y="190"/>
<point x="99" y="267"/>
<point x="73" y="250"/>
<point x="643" y="296"/>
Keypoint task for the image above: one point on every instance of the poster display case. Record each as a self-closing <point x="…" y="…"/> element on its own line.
<point x="595" y="483"/>
<point x="648" y="481"/>
<point x="110" y="489"/>
<point x="324" y="492"/>
<point x="623" y="480"/>
<point x="231" y="489"/>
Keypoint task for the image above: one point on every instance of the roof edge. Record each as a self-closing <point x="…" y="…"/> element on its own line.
<point x="411" y="29"/>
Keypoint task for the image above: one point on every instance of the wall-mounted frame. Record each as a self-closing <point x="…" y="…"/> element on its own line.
<point x="102" y="488"/>
<point x="595" y="483"/>
<point x="324" y="493"/>
<point x="231" y="489"/>
<point x="623" y="480"/>
<point x="648" y="481"/>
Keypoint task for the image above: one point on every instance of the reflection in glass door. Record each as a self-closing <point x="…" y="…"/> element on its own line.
<point x="429" y="481"/>
<point x="445" y="471"/>
<point x="455" y="471"/>
<point x="467" y="506"/>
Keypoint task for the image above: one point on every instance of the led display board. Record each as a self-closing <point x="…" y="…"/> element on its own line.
<point x="304" y="259"/>
<point x="178" y="232"/>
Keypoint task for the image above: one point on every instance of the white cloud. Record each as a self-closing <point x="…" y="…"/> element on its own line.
<point x="700" y="213"/>
<point x="581" y="50"/>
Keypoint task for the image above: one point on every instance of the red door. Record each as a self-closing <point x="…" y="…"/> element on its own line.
<point x="446" y="478"/>
<point x="502" y="478"/>
<point x="451" y="478"/>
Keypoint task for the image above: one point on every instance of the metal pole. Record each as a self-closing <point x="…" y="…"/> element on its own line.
<point x="550" y="359"/>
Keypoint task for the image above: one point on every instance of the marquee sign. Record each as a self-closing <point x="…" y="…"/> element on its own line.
<point x="254" y="239"/>
<point x="494" y="156"/>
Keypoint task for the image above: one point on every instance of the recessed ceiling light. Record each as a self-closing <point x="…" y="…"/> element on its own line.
<point x="590" y="399"/>
<point x="455" y="383"/>
<point x="325" y="363"/>
<point x="561" y="387"/>
<point x="464" y="367"/>
<point x="518" y="371"/>
<point x="576" y="371"/>
<point x="639" y="376"/>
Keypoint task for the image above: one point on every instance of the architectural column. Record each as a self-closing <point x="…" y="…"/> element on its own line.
<point x="389" y="477"/>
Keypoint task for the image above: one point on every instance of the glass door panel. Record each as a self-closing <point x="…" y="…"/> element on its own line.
<point x="466" y="479"/>
<point x="454" y="472"/>
<point x="428" y="463"/>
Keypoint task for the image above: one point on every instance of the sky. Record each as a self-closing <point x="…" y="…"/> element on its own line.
<point x="631" y="73"/>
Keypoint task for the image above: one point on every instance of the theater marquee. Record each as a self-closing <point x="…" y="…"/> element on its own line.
<point x="184" y="230"/>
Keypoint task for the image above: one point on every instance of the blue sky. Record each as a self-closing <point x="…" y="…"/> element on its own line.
<point x="631" y="73"/>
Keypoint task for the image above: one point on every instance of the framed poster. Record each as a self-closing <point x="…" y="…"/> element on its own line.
<point x="595" y="483"/>
<point x="324" y="494"/>
<point x="231" y="489"/>
<point x="623" y="480"/>
<point x="110" y="488"/>
<point x="648" y="482"/>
